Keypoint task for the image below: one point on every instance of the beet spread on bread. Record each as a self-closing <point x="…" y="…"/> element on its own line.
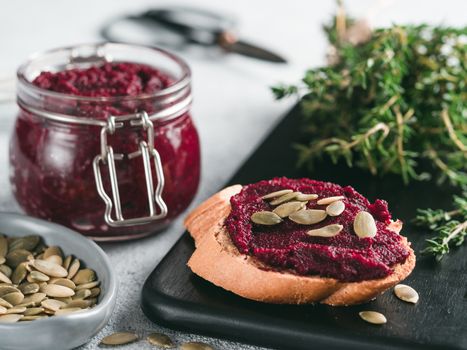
<point x="298" y="241"/>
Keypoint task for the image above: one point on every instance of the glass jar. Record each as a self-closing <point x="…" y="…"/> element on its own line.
<point x="112" y="168"/>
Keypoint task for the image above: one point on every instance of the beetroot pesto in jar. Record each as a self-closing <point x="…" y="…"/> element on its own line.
<point x="104" y="142"/>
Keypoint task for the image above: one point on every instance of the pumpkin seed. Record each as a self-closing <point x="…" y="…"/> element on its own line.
<point x="308" y="216"/>
<point x="194" y="345"/>
<point x="74" y="267"/>
<point x="288" y="208"/>
<point x="19" y="274"/>
<point x="13" y="298"/>
<point x="406" y="293"/>
<point x="119" y="338"/>
<point x="55" y="259"/>
<point x="16" y="310"/>
<point x="55" y="290"/>
<point x="29" y="288"/>
<point x="373" y="317"/>
<point x="329" y="200"/>
<point x="49" y="268"/>
<point x="67" y="311"/>
<point x="285" y="198"/>
<point x="303" y="197"/>
<point x="80" y="303"/>
<point x="5" y="303"/>
<point x="16" y="257"/>
<point x="31" y="318"/>
<point x="66" y="300"/>
<point x="88" y="285"/>
<point x="3" y="246"/>
<point x="95" y="292"/>
<point x="335" y="208"/>
<point x="364" y="225"/>
<point x="7" y="288"/>
<point x="63" y="282"/>
<point x="51" y="251"/>
<point x="52" y="304"/>
<point x="276" y="194"/>
<point x="82" y="294"/>
<point x="160" y="340"/>
<point x="33" y="299"/>
<point x="26" y="243"/>
<point x="4" y="278"/>
<point x="11" y="318"/>
<point x="67" y="262"/>
<point x="33" y="311"/>
<point x="84" y="276"/>
<point x="265" y="218"/>
<point x="37" y="276"/>
<point x="6" y="270"/>
<point x="326" y="231"/>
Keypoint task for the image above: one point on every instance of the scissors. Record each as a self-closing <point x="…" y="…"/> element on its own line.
<point x="196" y="26"/>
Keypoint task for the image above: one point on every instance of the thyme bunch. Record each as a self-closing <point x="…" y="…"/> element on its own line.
<point x="392" y="100"/>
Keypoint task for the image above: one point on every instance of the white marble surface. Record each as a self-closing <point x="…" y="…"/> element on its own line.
<point x="233" y="106"/>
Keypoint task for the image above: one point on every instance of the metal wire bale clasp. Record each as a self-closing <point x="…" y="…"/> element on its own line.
<point x="146" y="151"/>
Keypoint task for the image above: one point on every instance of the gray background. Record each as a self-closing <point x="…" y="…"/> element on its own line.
<point x="233" y="106"/>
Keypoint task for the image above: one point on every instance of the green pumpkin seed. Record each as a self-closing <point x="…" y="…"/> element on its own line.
<point x="16" y="310"/>
<point x="288" y="208"/>
<point x="285" y="198"/>
<point x="33" y="311"/>
<point x="7" y="288"/>
<point x="55" y="259"/>
<point x="308" y="216"/>
<point x="82" y="304"/>
<point x="14" y="298"/>
<point x="11" y="318"/>
<point x="194" y="345"/>
<point x="26" y="243"/>
<point x="33" y="299"/>
<point x="4" y="278"/>
<point x="16" y="257"/>
<point x="29" y="288"/>
<point x="329" y="200"/>
<point x="3" y="246"/>
<point x="84" y="276"/>
<point x="160" y="340"/>
<point x="19" y="274"/>
<point x="119" y="338"/>
<point x="67" y="262"/>
<point x="55" y="290"/>
<point x="326" y="231"/>
<point x="276" y="194"/>
<point x="303" y="197"/>
<point x="63" y="282"/>
<point x="37" y="276"/>
<point x="95" y="292"/>
<point x="373" y="317"/>
<point x="82" y="294"/>
<point x="49" y="268"/>
<point x="52" y="304"/>
<point x="74" y="267"/>
<point x="266" y="218"/>
<point x="51" y="251"/>
<point x="31" y="318"/>
<point x="6" y="270"/>
<point x="88" y="285"/>
<point x="5" y="303"/>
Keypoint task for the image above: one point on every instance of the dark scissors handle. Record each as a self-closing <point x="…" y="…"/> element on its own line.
<point x="195" y="25"/>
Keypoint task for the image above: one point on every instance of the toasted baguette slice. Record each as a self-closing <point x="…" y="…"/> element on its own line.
<point x="217" y="260"/>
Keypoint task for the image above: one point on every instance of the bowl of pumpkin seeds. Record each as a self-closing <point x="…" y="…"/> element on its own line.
<point x="57" y="288"/>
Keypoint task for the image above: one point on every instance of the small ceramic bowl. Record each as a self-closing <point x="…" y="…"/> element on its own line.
<point x="66" y="331"/>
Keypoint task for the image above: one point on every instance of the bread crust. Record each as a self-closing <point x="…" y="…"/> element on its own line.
<point x="217" y="260"/>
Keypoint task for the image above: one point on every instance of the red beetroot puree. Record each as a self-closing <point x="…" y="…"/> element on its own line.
<point x="52" y="162"/>
<point x="345" y="257"/>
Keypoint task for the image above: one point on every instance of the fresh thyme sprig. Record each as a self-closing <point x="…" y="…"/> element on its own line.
<point x="391" y="101"/>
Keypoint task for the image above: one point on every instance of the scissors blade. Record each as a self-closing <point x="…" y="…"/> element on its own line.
<point x="243" y="48"/>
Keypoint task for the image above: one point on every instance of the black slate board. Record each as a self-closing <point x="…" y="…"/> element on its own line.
<point x="174" y="297"/>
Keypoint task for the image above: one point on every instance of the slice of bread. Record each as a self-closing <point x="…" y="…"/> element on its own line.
<point x="217" y="260"/>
